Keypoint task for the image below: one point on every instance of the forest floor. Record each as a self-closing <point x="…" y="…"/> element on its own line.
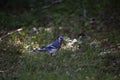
<point x="94" y="56"/>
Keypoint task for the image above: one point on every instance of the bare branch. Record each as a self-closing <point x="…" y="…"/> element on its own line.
<point x="1" y="71"/>
<point x="55" y="2"/>
<point x="47" y="6"/>
<point x="9" y="33"/>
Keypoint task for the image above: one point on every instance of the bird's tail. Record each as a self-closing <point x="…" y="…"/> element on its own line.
<point x="38" y="50"/>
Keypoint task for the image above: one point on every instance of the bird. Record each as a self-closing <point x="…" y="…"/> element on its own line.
<point x="53" y="47"/>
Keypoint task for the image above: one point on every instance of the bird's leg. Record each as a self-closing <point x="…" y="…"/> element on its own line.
<point x="52" y="54"/>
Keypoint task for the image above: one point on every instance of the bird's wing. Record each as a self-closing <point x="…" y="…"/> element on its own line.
<point x="49" y="47"/>
<point x="55" y="45"/>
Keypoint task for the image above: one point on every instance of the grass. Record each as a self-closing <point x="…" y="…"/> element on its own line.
<point x="90" y="62"/>
<point x="66" y="65"/>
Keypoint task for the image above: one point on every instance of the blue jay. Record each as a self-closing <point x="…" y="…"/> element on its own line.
<point x="53" y="47"/>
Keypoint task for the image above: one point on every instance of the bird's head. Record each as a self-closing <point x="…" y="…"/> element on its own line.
<point x="60" y="38"/>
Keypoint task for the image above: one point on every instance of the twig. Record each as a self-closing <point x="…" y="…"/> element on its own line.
<point x="1" y="71"/>
<point x="47" y="6"/>
<point x="9" y="33"/>
<point x="55" y="2"/>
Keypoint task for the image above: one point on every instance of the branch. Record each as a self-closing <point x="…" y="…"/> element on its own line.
<point x="9" y="33"/>
<point x="1" y="71"/>
<point x="53" y="3"/>
<point x="47" y="6"/>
